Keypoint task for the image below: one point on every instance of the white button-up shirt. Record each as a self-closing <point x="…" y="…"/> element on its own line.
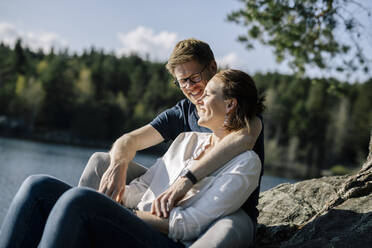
<point x="217" y="195"/>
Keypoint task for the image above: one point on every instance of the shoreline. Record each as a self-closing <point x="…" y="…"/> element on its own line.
<point x="64" y="138"/>
<point x="157" y="151"/>
<point x="59" y="138"/>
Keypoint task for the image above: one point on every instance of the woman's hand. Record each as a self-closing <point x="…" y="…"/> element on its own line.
<point x="165" y="202"/>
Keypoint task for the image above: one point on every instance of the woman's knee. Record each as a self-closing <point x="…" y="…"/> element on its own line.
<point x="80" y="199"/>
<point x="37" y="183"/>
<point x="40" y="187"/>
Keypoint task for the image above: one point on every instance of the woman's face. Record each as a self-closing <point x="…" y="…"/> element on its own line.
<point x="212" y="105"/>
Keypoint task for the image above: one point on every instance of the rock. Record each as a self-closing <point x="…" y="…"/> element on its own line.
<point x="348" y="225"/>
<point x="324" y="212"/>
<point x="286" y="207"/>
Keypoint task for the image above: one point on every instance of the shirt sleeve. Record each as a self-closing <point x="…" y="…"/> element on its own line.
<point x="136" y="189"/>
<point x="226" y="195"/>
<point x="170" y="123"/>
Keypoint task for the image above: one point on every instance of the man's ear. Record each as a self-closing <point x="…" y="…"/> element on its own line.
<point x="231" y="105"/>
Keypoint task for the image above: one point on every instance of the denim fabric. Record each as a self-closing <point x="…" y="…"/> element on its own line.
<point x="235" y="230"/>
<point x="25" y="220"/>
<point x="49" y="213"/>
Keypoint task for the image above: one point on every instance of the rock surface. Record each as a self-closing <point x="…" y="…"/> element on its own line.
<point x="324" y="212"/>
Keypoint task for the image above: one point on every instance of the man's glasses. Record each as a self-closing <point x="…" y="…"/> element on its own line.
<point x="193" y="79"/>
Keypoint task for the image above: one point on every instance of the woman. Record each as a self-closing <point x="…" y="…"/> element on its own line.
<point x="50" y="213"/>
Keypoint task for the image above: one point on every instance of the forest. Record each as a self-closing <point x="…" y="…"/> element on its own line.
<point x="313" y="126"/>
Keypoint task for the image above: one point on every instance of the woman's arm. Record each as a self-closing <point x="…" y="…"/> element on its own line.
<point x="226" y="195"/>
<point x="229" y="147"/>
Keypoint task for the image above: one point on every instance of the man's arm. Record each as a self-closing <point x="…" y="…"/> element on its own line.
<point x="156" y="222"/>
<point x="122" y="152"/>
<point x="229" y="147"/>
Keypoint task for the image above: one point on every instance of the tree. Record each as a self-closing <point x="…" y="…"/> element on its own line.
<point x="317" y="116"/>
<point x="305" y="32"/>
<point x="29" y="98"/>
<point x="59" y="94"/>
<point x="7" y="79"/>
<point x="19" y="59"/>
<point x="362" y="116"/>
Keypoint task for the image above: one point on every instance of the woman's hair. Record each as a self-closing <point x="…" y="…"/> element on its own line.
<point x="240" y="86"/>
<point x="188" y="50"/>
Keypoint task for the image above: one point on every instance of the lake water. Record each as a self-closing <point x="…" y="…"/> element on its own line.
<point x="19" y="159"/>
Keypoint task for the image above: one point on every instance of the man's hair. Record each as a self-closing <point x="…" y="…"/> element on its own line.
<point x="240" y="86"/>
<point x="188" y="50"/>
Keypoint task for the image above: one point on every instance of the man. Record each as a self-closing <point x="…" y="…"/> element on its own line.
<point x="192" y="64"/>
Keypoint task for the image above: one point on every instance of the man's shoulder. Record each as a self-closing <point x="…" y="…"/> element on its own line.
<point x="186" y="110"/>
<point x="185" y="104"/>
<point x="183" y="107"/>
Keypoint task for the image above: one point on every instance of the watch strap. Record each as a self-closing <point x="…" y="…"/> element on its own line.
<point x="191" y="176"/>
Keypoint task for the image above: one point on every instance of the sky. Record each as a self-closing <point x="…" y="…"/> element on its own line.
<point x="149" y="28"/>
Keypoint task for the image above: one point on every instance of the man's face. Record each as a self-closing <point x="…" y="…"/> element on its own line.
<point x="189" y="73"/>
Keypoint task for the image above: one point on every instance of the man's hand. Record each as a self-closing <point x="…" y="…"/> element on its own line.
<point x="113" y="181"/>
<point x="160" y="224"/>
<point x="165" y="202"/>
<point x="122" y="152"/>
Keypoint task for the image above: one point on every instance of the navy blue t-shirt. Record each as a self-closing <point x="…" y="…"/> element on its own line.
<point x="183" y="117"/>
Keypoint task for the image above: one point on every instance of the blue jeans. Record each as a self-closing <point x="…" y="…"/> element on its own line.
<point x="47" y="212"/>
<point x="233" y="231"/>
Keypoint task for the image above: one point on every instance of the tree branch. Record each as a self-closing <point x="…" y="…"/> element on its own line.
<point x="326" y="11"/>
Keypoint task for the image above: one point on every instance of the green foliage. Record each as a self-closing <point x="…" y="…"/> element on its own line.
<point x="340" y="170"/>
<point x="97" y="96"/>
<point x="362" y="116"/>
<point x="326" y="121"/>
<point x="304" y="32"/>
<point x="308" y="124"/>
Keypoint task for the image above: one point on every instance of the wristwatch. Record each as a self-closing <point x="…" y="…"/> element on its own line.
<point x="187" y="173"/>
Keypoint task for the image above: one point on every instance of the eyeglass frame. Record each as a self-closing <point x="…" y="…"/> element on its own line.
<point x="188" y="79"/>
